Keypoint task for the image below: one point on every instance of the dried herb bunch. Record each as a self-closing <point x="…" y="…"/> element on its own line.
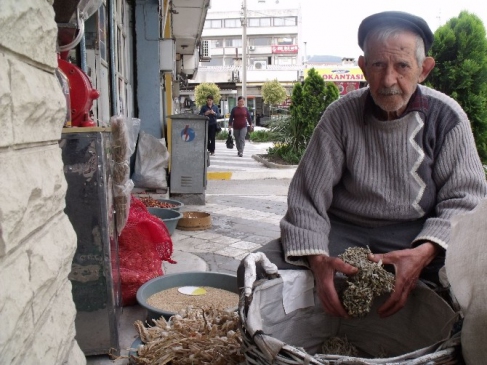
<point x="194" y="336"/>
<point x="339" y="346"/>
<point x="371" y="281"/>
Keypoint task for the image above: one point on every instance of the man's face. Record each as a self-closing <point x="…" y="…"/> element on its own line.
<point x="209" y="102"/>
<point x="393" y="73"/>
<point x="241" y="102"/>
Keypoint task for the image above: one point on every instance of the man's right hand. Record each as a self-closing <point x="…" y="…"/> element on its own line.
<point x="324" y="268"/>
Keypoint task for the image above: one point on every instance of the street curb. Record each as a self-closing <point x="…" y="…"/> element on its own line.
<point x="272" y="165"/>
<point x="246" y="175"/>
<point x="219" y="175"/>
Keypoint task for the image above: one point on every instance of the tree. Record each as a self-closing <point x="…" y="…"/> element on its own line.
<point x="203" y="90"/>
<point x="308" y="102"/>
<point x="273" y="93"/>
<point x="460" y="51"/>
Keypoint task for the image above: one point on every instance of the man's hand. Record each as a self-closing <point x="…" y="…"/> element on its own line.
<point x="324" y="268"/>
<point x="408" y="265"/>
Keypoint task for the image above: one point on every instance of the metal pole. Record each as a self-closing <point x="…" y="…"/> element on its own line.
<point x="244" y="50"/>
<point x="305" y="56"/>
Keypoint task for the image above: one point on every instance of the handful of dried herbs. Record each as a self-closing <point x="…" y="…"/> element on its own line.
<point x="371" y="281"/>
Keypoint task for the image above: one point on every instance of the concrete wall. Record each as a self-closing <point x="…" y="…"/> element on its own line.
<point x="37" y="241"/>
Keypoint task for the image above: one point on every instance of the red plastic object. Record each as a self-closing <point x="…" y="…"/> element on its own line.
<point x="81" y="93"/>
<point x="143" y="244"/>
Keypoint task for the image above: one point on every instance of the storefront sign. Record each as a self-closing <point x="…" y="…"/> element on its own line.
<point x="353" y="73"/>
<point x="285" y="49"/>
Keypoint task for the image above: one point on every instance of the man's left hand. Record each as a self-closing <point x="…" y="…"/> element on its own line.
<point x="408" y="265"/>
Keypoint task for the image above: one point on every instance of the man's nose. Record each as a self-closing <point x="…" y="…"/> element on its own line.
<point x="390" y="76"/>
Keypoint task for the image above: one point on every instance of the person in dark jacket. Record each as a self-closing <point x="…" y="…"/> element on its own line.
<point x="210" y="110"/>
<point x="239" y="116"/>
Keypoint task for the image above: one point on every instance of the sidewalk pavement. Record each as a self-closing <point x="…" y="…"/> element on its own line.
<point x="245" y="215"/>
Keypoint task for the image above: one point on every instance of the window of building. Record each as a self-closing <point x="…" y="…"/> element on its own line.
<point x="261" y="41"/>
<point x="214" y="61"/>
<point x="285" y="41"/>
<point x="285" y="61"/>
<point x="232" y="23"/>
<point x="213" y="23"/>
<point x="285" y="21"/>
<point x="229" y="61"/>
<point x="259" y="22"/>
<point x="216" y="43"/>
<point x="233" y="42"/>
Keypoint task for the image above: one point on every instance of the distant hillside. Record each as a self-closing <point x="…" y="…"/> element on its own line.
<point x="324" y="59"/>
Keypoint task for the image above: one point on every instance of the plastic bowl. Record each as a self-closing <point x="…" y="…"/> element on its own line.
<point x="190" y="278"/>
<point x="170" y="217"/>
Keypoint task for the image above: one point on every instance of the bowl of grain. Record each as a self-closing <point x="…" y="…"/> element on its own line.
<point x="162" y="296"/>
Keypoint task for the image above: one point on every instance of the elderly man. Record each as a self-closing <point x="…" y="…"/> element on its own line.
<point x="387" y="167"/>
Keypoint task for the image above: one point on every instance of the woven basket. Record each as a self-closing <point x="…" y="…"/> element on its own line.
<point x="262" y="347"/>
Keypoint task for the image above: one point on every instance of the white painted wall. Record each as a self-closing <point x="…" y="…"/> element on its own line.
<point x="37" y="241"/>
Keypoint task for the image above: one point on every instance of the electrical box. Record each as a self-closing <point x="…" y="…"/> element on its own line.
<point x="189" y="157"/>
<point x="167" y="55"/>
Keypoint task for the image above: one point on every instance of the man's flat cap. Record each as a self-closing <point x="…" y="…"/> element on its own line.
<point x="408" y="21"/>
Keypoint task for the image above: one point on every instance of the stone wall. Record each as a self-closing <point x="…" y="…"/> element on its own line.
<point x="37" y="241"/>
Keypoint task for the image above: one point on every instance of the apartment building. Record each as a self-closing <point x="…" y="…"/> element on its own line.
<point x="273" y="51"/>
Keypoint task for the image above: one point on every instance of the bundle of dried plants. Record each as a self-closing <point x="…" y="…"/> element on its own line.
<point x="371" y="281"/>
<point x="195" y="336"/>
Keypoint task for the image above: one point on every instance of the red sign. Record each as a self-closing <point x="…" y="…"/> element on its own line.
<point x="285" y="49"/>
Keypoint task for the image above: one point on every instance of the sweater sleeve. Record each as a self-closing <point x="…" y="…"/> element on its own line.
<point x="460" y="178"/>
<point x="230" y="119"/>
<point x="306" y="225"/>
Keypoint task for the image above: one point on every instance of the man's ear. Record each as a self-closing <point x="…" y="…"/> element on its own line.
<point x="361" y="63"/>
<point x="428" y="65"/>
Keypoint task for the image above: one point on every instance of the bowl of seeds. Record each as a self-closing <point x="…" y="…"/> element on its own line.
<point x="169" y="294"/>
<point x="151" y="202"/>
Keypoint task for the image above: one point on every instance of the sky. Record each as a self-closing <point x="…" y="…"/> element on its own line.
<point x="330" y="27"/>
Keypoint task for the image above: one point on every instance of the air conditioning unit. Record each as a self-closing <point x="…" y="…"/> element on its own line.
<point x="259" y="65"/>
<point x="205" y="51"/>
<point x="252" y="48"/>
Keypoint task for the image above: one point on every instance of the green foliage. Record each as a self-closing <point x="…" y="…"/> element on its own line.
<point x="460" y="51"/>
<point x="223" y="135"/>
<point x="262" y="136"/>
<point x="203" y="90"/>
<point x="273" y="92"/>
<point x="308" y="102"/>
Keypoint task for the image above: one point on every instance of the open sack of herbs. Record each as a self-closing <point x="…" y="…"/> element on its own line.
<point x="424" y="322"/>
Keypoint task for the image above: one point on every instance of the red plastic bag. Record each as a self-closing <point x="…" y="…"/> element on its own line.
<point x="144" y="244"/>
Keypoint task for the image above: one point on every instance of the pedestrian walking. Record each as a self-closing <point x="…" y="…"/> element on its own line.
<point x="210" y="110"/>
<point x="239" y="116"/>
